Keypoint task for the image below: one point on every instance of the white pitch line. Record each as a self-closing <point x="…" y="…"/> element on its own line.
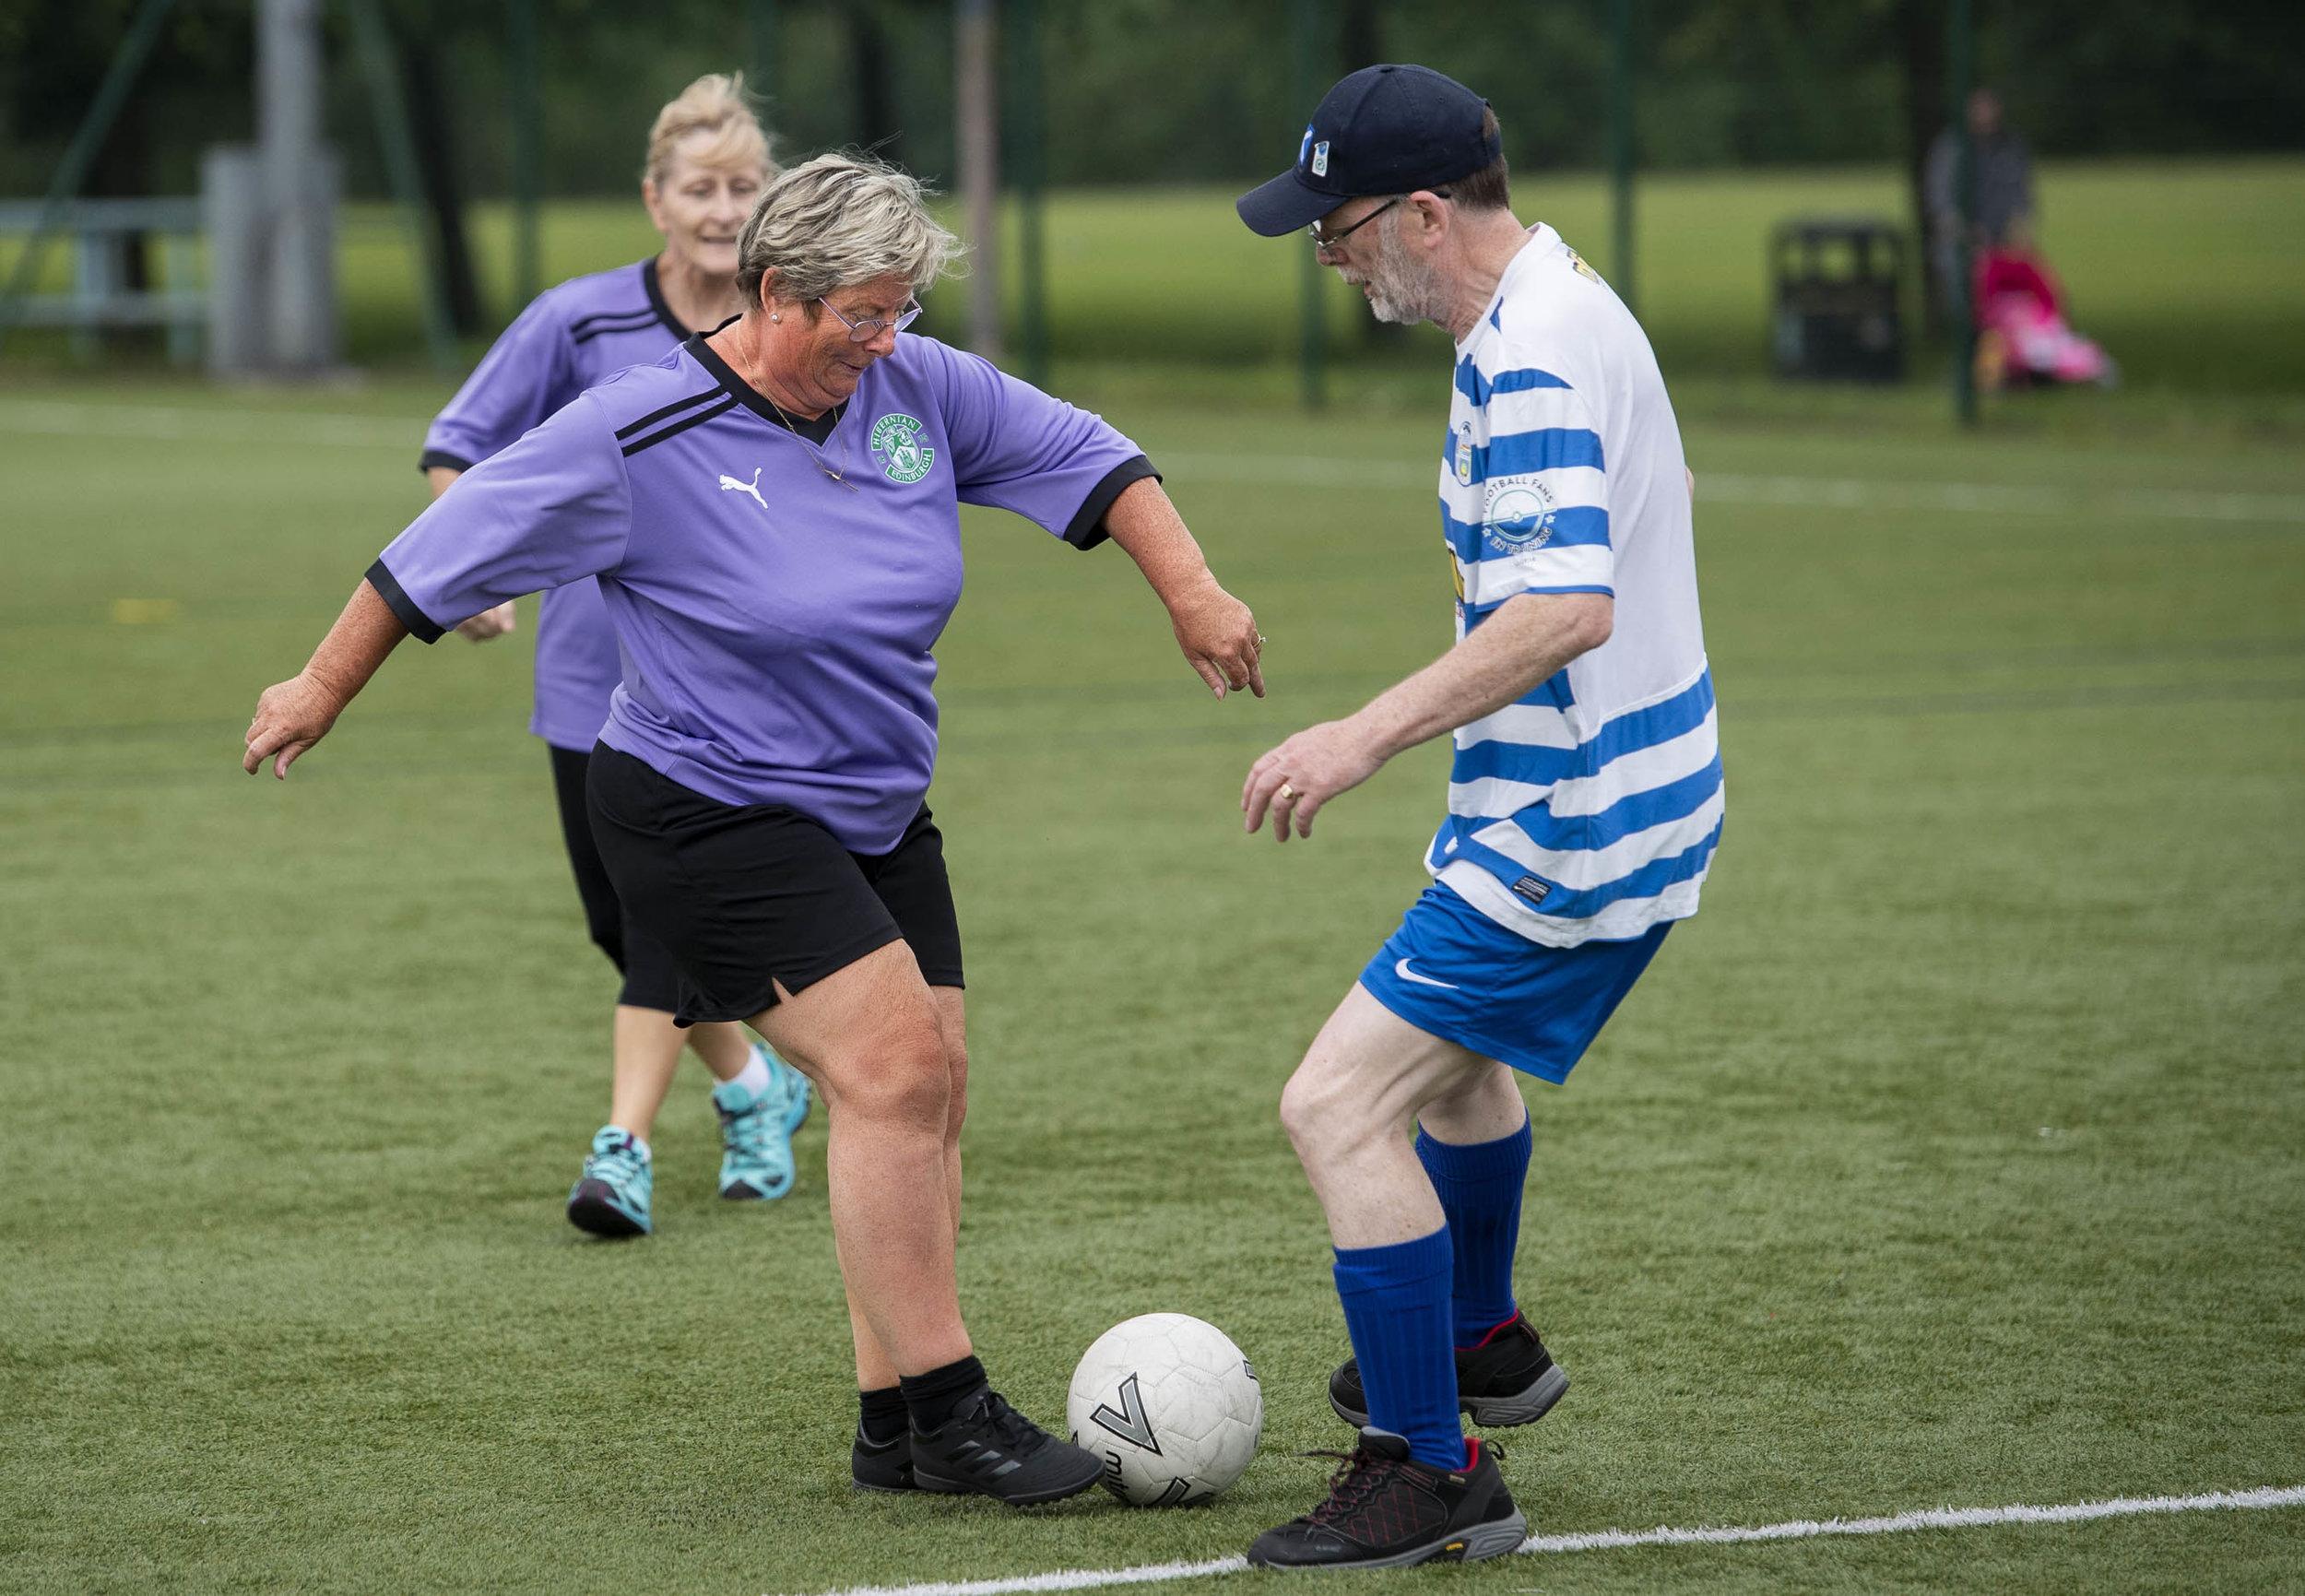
<point x="173" y="424"/>
<point x="1927" y="1519"/>
<point x="1610" y="1539"/>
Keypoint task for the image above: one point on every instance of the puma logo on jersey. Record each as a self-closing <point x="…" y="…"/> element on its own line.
<point x="730" y="485"/>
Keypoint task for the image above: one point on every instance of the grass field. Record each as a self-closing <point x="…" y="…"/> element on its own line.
<point x="1955" y="1155"/>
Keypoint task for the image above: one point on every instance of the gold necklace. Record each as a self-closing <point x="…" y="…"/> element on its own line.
<point x="822" y="464"/>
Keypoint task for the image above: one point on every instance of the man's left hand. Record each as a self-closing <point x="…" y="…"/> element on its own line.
<point x="1294" y="780"/>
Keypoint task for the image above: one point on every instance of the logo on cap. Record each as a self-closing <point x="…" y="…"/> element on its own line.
<point x="1321" y="159"/>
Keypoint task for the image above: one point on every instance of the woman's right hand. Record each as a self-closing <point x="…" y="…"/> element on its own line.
<point x="490" y="623"/>
<point x="290" y="716"/>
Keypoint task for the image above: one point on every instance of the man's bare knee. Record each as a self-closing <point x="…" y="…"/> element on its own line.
<point x="1325" y="1116"/>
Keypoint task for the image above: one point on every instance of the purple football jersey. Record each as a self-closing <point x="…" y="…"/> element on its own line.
<point x="572" y="337"/>
<point x="777" y="624"/>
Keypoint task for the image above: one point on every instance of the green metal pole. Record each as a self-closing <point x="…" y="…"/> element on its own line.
<point x="1621" y="148"/>
<point x="391" y="112"/>
<point x="87" y="141"/>
<point x="1960" y="73"/>
<point x="761" y="20"/>
<point x="524" y="68"/>
<point x="1307" y="59"/>
<point x="1028" y="135"/>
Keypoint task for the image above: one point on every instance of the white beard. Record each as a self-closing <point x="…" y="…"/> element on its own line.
<point x="1400" y="290"/>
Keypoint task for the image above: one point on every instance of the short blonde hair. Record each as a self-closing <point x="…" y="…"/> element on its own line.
<point x="715" y="103"/>
<point x="839" y="220"/>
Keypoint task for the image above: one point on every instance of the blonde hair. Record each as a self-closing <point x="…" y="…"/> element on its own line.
<point x="836" y="222"/>
<point x="715" y="103"/>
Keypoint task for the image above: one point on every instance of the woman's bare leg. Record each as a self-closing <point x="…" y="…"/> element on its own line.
<point x="875" y="1371"/>
<point x="871" y="1036"/>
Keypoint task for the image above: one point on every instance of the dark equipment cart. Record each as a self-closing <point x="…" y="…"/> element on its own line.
<point x="1838" y="284"/>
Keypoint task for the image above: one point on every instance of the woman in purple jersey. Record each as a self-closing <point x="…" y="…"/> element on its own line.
<point x="772" y="513"/>
<point x="707" y="160"/>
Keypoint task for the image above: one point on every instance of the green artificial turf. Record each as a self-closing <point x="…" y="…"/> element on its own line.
<point x="1954" y="1155"/>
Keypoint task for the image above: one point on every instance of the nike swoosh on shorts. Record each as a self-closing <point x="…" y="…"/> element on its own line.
<point x="1402" y="970"/>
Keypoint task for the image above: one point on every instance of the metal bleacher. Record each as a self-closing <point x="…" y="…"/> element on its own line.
<point x="100" y="235"/>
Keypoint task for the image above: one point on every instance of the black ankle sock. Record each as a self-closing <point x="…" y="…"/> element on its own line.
<point x="880" y="1414"/>
<point x="931" y="1398"/>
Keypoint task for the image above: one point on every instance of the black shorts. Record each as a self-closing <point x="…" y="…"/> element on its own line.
<point x="747" y="896"/>
<point x="650" y="981"/>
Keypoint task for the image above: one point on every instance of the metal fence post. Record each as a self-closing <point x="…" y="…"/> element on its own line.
<point x="1961" y="67"/>
<point x="525" y="70"/>
<point x="1621" y="148"/>
<point x="1306" y="60"/>
<point x="1028" y="135"/>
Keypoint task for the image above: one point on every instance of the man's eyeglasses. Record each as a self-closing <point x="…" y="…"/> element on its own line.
<point x="1322" y="241"/>
<point x="871" y="327"/>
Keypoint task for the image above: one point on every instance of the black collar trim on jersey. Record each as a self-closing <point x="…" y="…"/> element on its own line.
<point x="655" y="290"/>
<point x="816" y="431"/>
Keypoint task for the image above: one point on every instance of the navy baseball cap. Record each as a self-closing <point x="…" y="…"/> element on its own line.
<point x="1381" y="130"/>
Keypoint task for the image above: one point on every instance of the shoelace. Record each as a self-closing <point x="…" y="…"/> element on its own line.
<point x="748" y="1127"/>
<point x="1357" y="1477"/>
<point x="617" y="1164"/>
<point x="1017" y="1435"/>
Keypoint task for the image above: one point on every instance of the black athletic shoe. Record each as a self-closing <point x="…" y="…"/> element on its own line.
<point x="882" y="1465"/>
<point x="1387" y="1511"/>
<point x="1507" y="1380"/>
<point x="988" y="1448"/>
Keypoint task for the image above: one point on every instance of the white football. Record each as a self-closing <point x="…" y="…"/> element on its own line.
<point x="1171" y="1405"/>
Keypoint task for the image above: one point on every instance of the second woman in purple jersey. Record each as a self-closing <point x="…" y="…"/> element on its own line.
<point x="707" y="160"/>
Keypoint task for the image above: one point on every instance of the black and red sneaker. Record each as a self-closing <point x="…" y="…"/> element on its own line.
<point x="1506" y="1378"/>
<point x="1387" y="1511"/>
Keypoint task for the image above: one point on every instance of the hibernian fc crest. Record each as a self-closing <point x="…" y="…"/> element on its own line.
<point x="896" y="443"/>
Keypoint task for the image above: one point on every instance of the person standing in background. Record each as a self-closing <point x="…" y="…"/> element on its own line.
<point x="708" y="160"/>
<point x="2003" y="164"/>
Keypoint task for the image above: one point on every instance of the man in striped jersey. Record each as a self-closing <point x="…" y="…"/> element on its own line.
<point x="1584" y="801"/>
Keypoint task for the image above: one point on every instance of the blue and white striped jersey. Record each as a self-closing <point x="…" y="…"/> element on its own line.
<point x="1589" y="808"/>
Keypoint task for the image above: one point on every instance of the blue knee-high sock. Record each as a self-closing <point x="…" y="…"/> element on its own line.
<point x="1396" y="1307"/>
<point x="1479" y="1184"/>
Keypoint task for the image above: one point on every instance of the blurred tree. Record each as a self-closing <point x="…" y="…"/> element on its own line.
<point x="1196" y="90"/>
<point x="432" y="104"/>
<point x="877" y="121"/>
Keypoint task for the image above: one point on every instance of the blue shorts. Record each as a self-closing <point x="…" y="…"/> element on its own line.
<point x="1453" y="972"/>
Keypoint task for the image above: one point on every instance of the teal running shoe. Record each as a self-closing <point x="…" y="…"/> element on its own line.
<point x="756" y="1131"/>
<point x="611" y="1196"/>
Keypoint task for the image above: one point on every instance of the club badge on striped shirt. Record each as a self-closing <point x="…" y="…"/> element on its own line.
<point x="1520" y="517"/>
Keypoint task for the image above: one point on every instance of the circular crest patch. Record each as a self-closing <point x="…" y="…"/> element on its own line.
<point x="1520" y="518"/>
<point x="895" y="441"/>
